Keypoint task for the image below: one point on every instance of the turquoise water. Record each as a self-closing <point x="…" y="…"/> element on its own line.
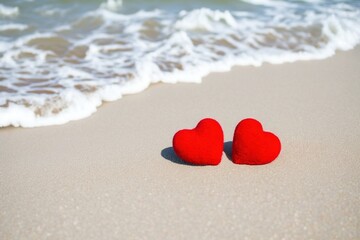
<point x="60" y="59"/>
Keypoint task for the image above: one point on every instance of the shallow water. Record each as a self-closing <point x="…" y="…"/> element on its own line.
<point x="60" y="59"/>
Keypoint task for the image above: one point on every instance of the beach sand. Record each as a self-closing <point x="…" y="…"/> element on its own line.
<point x="115" y="176"/>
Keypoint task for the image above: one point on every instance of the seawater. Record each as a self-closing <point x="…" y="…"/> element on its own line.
<point x="60" y="59"/>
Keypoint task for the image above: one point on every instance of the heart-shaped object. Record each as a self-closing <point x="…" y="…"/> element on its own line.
<point x="202" y="145"/>
<point x="252" y="145"/>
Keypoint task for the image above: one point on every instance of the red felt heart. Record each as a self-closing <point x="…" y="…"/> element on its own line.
<point x="202" y="145"/>
<point x="252" y="145"/>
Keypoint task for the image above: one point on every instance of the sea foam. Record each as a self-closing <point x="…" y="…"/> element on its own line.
<point x="13" y="27"/>
<point x="65" y="73"/>
<point x="6" y="11"/>
<point x="112" y="5"/>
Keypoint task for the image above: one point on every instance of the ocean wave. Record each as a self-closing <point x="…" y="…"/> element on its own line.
<point x="6" y="11"/>
<point x="271" y="3"/>
<point x="64" y="74"/>
<point x="205" y="19"/>
<point x="112" y="5"/>
<point x="13" y="27"/>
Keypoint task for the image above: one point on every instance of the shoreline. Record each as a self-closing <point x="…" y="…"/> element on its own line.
<point x="223" y="71"/>
<point x="107" y="176"/>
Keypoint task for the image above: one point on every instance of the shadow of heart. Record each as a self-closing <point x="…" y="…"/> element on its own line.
<point x="228" y="149"/>
<point x="169" y="154"/>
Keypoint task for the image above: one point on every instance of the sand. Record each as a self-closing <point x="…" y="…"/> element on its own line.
<point x="115" y="176"/>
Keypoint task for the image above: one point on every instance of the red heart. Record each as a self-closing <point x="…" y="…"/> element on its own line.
<point x="202" y="145"/>
<point x="252" y="145"/>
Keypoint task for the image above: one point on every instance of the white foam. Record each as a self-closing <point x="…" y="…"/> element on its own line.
<point x="13" y="27"/>
<point x="112" y="5"/>
<point x="4" y="46"/>
<point x="271" y="3"/>
<point x="46" y="88"/>
<point x="204" y="19"/>
<point x="6" y="11"/>
<point x="74" y="104"/>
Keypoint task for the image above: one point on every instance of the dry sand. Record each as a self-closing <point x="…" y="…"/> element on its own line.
<point x="113" y="175"/>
